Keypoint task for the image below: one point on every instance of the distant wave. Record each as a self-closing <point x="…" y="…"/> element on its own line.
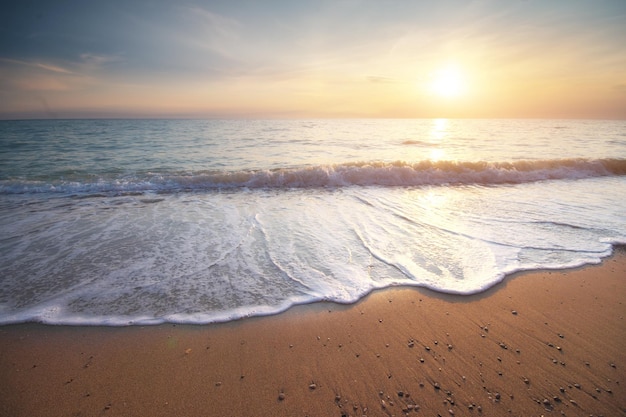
<point x="341" y="175"/>
<point x="418" y="142"/>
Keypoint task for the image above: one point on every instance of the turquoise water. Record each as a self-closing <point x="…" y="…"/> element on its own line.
<point x="146" y="221"/>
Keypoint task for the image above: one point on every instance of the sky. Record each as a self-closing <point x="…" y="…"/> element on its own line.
<point x="313" y="59"/>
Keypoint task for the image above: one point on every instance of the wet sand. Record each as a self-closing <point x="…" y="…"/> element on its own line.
<point x="541" y="343"/>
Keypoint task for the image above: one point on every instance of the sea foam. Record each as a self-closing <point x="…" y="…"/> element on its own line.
<point x="117" y="222"/>
<point x="372" y="173"/>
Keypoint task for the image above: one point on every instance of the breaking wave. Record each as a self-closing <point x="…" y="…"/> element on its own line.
<point x="376" y="173"/>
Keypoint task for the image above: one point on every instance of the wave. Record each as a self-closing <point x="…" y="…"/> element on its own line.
<point x="419" y="142"/>
<point x="375" y="173"/>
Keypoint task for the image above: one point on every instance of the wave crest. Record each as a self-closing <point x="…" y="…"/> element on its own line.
<point x="374" y="173"/>
<point x="402" y="173"/>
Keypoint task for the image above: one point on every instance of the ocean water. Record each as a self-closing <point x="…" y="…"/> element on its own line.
<point x="117" y="222"/>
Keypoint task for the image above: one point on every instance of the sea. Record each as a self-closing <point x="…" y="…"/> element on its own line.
<point x="134" y="222"/>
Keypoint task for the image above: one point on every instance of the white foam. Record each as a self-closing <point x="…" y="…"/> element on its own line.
<point x="398" y="173"/>
<point x="208" y="257"/>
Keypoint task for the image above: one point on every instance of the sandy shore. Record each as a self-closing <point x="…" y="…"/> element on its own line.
<point x="545" y="343"/>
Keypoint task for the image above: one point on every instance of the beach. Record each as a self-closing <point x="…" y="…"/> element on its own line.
<point x="312" y="209"/>
<point x="539" y="343"/>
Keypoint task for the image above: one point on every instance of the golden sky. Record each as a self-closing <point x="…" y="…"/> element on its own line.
<point x="345" y="58"/>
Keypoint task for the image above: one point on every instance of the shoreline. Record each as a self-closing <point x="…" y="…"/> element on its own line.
<point x="616" y="247"/>
<point x="538" y="342"/>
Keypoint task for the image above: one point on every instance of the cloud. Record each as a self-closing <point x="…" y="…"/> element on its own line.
<point x="40" y="65"/>
<point x="53" y="68"/>
<point x="620" y="88"/>
<point x="208" y="30"/>
<point x="377" y="79"/>
<point x="98" y="60"/>
<point x="32" y="76"/>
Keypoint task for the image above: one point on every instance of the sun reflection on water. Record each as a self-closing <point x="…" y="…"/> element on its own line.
<point x="438" y="134"/>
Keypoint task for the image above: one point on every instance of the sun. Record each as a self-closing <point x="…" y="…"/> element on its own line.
<point x="448" y="82"/>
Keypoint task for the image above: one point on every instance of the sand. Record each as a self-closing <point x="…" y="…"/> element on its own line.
<point x="541" y="343"/>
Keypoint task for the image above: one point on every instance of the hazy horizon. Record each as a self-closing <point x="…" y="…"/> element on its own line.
<point x="343" y="59"/>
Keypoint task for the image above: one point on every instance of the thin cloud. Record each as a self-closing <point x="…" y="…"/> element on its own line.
<point x="41" y="65"/>
<point x="53" y="68"/>
<point x="209" y="30"/>
<point x="99" y="59"/>
<point x="33" y="76"/>
<point x="377" y="79"/>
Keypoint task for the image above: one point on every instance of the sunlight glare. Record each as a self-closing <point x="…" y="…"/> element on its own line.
<point x="438" y="133"/>
<point x="448" y="83"/>
<point x="439" y="130"/>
